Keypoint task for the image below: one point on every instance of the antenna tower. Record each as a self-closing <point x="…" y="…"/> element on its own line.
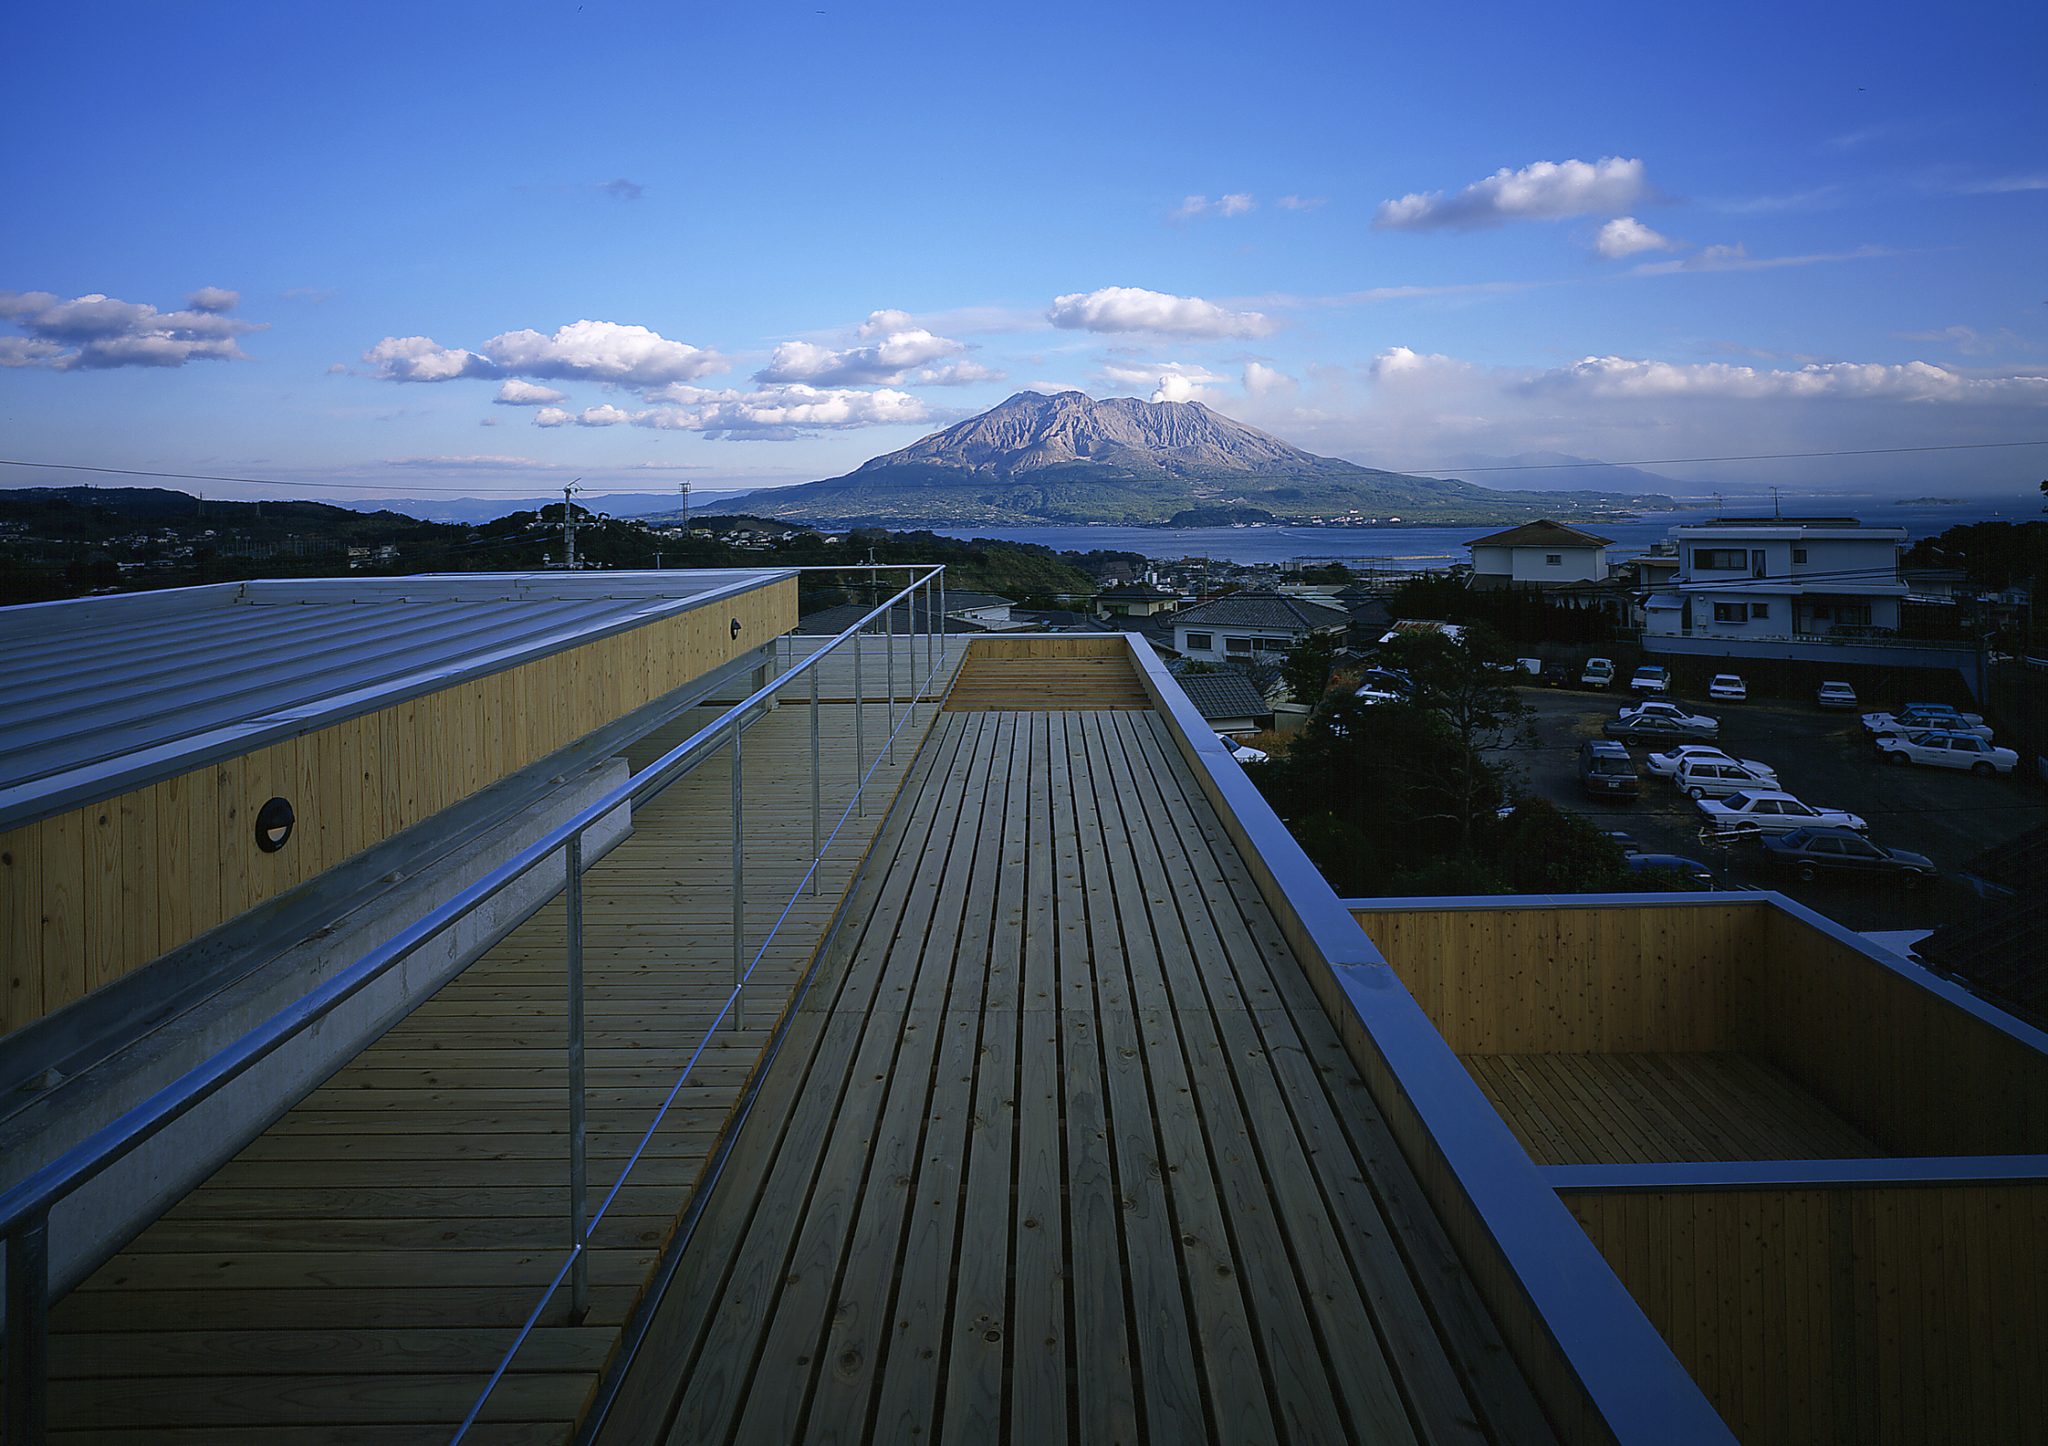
<point x="569" y="524"/>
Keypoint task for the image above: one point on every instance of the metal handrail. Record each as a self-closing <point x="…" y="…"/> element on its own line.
<point x="25" y="1207"/>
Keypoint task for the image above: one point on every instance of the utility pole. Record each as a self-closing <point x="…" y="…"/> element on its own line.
<point x="683" y="487"/>
<point x="569" y="524"/>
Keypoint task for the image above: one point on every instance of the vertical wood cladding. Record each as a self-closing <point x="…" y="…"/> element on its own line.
<point x="93" y="894"/>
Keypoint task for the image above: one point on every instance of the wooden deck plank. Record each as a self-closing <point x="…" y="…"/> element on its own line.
<point x="1617" y="1108"/>
<point x="1229" y="1260"/>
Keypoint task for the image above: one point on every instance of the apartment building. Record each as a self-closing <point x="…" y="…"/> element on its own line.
<point x="1775" y="578"/>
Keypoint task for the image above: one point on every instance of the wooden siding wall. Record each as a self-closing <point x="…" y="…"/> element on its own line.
<point x="1897" y="1061"/>
<point x="1859" y="1315"/>
<point x="1593" y="980"/>
<point x="91" y="895"/>
<point x="1081" y="645"/>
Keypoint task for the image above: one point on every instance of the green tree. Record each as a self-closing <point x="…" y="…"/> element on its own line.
<point x="1308" y="666"/>
<point x="1478" y="707"/>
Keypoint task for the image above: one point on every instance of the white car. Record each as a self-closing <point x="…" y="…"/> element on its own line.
<point x="1650" y="678"/>
<point x="1921" y="717"/>
<point x="1665" y="764"/>
<point x="1728" y="688"/>
<point x="1373" y="694"/>
<point x="1657" y="708"/>
<point x="1835" y="695"/>
<point x="1948" y="750"/>
<point x="1701" y="778"/>
<point x="1242" y="752"/>
<point x="1764" y="810"/>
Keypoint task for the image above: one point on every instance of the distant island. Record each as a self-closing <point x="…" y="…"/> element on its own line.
<point x="1067" y="458"/>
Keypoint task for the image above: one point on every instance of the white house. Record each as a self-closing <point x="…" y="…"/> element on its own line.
<point x="1540" y="554"/>
<point x="1780" y="577"/>
<point x="1253" y="625"/>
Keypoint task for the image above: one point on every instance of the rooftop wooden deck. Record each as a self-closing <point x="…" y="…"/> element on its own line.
<point x="1601" y="1109"/>
<point x="355" y="1273"/>
<point x="1060" y="1146"/>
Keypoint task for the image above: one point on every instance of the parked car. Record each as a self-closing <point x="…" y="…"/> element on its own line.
<point x="1947" y="750"/>
<point x="1606" y="770"/>
<point x="1532" y="666"/>
<point x="1690" y="870"/>
<point x="1650" y="678"/>
<point x="1373" y="693"/>
<point x="1764" y="810"/>
<point x="1598" y="673"/>
<point x="1242" y="752"/>
<point x="1665" y="764"/>
<point x="1718" y="777"/>
<point x="1838" y="696"/>
<point x="1659" y="727"/>
<point x="1557" y="675"/>
<point x="1812" y="853"/>
<point x="1658" y="708"/>
<point x="1921" y="717"/>
<point x="1728" y="688"/>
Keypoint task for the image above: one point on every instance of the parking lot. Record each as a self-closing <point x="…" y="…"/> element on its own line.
<point x="1824" y="759"/>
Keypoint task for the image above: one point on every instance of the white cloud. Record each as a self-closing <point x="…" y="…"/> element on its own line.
<point x="1915" y="381"/>
<point x="881" y="323"/>
<point x="887" y="360"/>
<point x="1132" y="308"/>
<point x="768" y="413"/>
<point x="1626" y="236"/>
<point x="1236" y="203"/>
<point x="1302" y="203"/>
<point x="472" y="462"/>
<point x="604" y="351"/>
<point x="2005" y="185"/>
<point x="1542" y="191"/>
<point x="1261" y="380"/>
<point x="515" y="393"/>
<point x="1736" y="257"/>
<point x="96" y="331"/>
<point x="600" y="351"/>
<point x="957" y="374"/>
<point x="1170" y="381"/>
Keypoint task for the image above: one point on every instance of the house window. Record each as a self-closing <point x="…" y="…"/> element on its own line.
<point x="1237" y="645"/>
<point x="1759" y="610"/>
<point x="1553" y="559"/>
<point x="1731" y="612"/>
<point x="1853" y="615"/>
<point x="1798" y="554"/>
<point x="1720" y="559"/>
<point x="1200" y="642"/>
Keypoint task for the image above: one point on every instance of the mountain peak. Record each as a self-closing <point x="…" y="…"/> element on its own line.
<point x="1034" y="430"/>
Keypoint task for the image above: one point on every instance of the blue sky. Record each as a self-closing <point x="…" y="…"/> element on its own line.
<point x="402" y="248"/>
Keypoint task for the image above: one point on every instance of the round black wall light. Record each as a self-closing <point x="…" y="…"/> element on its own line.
<point x="274" y="824"/>
<point x="735" y="627"/>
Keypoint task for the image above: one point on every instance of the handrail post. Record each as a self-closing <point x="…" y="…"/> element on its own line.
<point x="931" y="625"/>
<point x="579" y="1159"/>
<point x="739" y="883"/>
<point x="942" y="610"/>
<point x="817" y="811"/>
<point x="860" y="747"/>
<point x="28" y="1331"/>
<point x="889" y="633"/>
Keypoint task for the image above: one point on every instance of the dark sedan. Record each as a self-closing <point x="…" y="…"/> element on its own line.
<point x="1813" y="853"/>
<point x="1659" y="728"/>
<point x="1689" y="871"/>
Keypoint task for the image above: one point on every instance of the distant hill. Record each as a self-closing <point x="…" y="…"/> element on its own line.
<point x="1559" y="471"/>
<point x="484" y="509"/>
<point x="1068" y="458"/>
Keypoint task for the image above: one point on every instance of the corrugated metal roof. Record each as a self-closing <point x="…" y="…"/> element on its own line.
<point x="105" y="694"/>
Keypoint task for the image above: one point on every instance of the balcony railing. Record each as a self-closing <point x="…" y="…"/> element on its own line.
<point x="25" y="1208"/>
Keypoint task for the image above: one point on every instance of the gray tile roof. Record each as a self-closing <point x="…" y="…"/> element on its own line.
<point x="1267" y="610"/>
<point x="105" y="694"/>
<point x="1224" y="695"/>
